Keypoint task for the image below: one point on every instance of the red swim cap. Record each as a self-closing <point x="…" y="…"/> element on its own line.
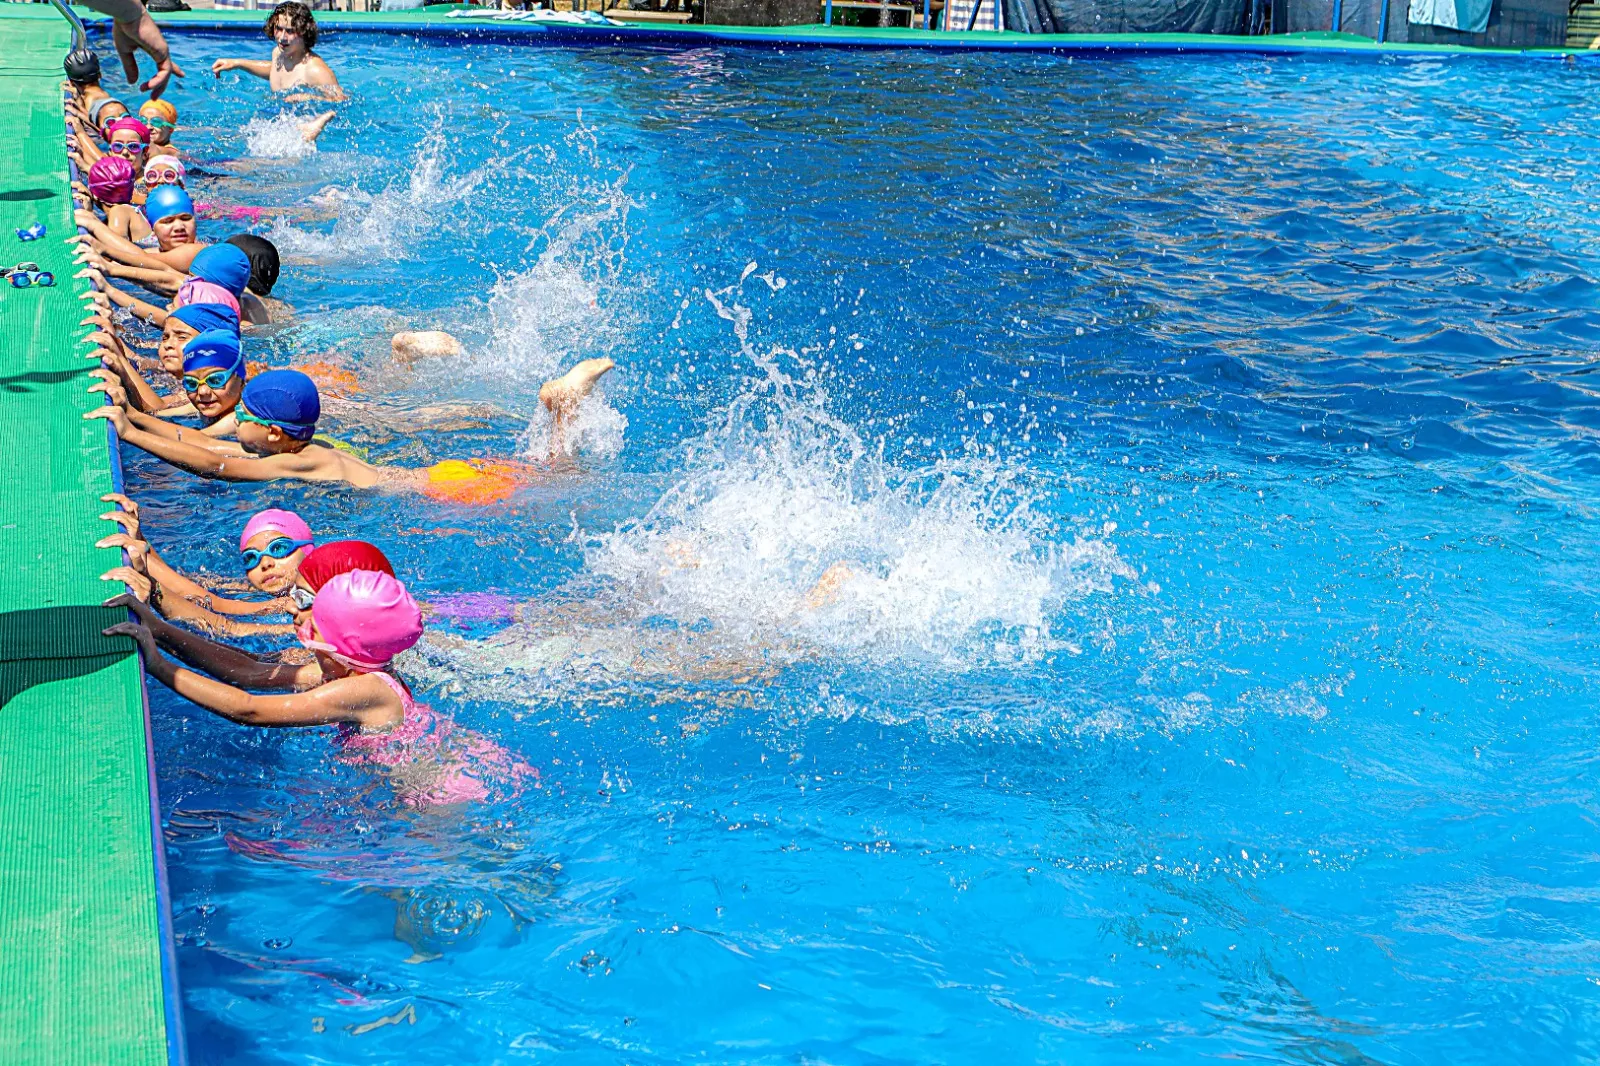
<point x="342" y="557"/>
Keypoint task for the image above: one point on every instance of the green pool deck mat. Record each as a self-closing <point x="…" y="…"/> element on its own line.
<point x="80" y="929"/>
<point x="438" y="20"/>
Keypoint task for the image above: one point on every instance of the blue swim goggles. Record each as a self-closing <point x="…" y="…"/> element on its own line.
<point x="216" y="381"/>
<point x="24" y="274"/>
<point x="281" y="548"/>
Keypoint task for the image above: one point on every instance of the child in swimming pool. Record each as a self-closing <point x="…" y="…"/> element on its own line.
<point x="272" y="546"/>
<point x="277" y="417"/>
<point x="356" y="621"/>
<point x="181" y="327"/>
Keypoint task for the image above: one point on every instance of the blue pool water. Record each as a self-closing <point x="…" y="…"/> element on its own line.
<point x="1211" y="443"/>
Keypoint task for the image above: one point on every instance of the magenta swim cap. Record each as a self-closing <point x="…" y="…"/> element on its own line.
<point x="195" y="291"/>
<point x="288" y="523"/>
<point x="366" y="618"/>
<point x="111" y="180"/>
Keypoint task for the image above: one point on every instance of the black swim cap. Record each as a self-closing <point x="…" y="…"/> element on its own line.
<point x="82" y="67"/>
<point x="263" y="261"/>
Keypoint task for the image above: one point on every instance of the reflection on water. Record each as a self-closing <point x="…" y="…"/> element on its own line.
<point x="1079" y="560"/>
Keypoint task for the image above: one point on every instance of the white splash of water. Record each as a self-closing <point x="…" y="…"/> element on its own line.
<point x="552" y="314"/>
<point x="278" y="137"/>
<point x="786" y="529"/>
<point x="388" y="224"/>
<point x="596" y="429"/>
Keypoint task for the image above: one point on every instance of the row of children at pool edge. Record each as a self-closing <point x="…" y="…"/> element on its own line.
<point x="343" y="600"/>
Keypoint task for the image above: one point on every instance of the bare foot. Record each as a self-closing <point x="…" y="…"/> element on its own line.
<point x="826" y="590"/>
<point x="310" y="131"/>
<point x="428" y="344"/>
<point x="563" y="395"/>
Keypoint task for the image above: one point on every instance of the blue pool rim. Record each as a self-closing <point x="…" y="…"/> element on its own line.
<point x="810" y="37"/>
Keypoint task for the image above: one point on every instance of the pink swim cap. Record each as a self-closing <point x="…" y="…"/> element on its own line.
<point x="111" y="180"/>
<point x="128" y="122"/>
<point x="288" y="523"/>
<point x="195" y="291"/>
<point x="366" y="618"/>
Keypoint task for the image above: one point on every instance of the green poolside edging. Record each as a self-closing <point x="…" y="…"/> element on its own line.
<point x="82" y="908"/>
<point x="437" y="19"/>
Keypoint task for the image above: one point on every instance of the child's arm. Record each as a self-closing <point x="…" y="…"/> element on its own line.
<point x="162" y="280"/>
<point x="219" y="660"/>
<point x="186" y="434"/>
<point x="361" y="700"/>
<point x="212" y="464"/>
<point x="261" y="68"/>
<point x="156" y="316"/>
<point x="109" y="243"/>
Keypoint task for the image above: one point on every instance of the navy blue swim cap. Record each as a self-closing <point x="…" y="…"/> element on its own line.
<point x="205" y="317"/>
<point x="216" y="349"/>
<point x="164" y="201"/>
<point x="286" y="399"/>
<point x="221" y="264"/>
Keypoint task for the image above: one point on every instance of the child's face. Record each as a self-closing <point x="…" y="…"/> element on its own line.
<point x="174" y="230"/>
<point x="273" y="575"/>
<point x="173" y="338"/>
<point x="214" y="403"/>
<point x="127" y="144"/>
<point x="257" y="439"/>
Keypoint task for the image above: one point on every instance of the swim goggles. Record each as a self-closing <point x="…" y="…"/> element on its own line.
<point x="280" y="548"/>
<point x="216" y="381"/>
<point x="155" y="122"/>
<point x="32" y="233"/>
<point x="24" y="274"/>
<point x="164" y="176"/>
<point x="301" y="598"/>
<point x="126" y="147"/>
<point x="290" y="430"/>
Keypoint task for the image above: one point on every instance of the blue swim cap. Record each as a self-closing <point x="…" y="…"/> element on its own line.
<point x="222" y="264"/>
<point x="205" y="317"/>
<point x="164" y="201"/>
<point x="286" y="399"/>
<point x="214" y="349"/>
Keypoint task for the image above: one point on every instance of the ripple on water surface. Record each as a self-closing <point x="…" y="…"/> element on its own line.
<point x="1079" y="560"/>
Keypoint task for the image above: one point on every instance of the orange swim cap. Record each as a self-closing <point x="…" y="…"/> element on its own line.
<point x="476" y="482"/>
<point x="160" y="109"/>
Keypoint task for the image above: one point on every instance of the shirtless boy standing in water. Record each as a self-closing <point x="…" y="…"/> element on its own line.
<point x="294" y="65"/>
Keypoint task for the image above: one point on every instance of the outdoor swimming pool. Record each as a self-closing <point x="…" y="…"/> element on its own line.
<point x="1210" y="439"/>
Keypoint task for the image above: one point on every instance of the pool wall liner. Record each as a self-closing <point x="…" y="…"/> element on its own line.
<point x="86" y="967"/>
<point x="437" y="21"/>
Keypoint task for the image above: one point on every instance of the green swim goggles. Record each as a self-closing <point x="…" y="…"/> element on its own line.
<point x="281" y="548"/>
<point x="242" y="414"/>
<point x="216" y="381"/>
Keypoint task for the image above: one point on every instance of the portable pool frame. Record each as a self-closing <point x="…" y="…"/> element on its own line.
<point x="87" y="971"/>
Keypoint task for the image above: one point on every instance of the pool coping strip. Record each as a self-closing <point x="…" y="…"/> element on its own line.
<point x="438" y="21"/>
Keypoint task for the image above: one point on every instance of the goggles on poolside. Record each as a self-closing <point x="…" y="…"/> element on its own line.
<point x="280" y="548"/>
<point x="24" y="274"/>
<point x="216" y="381"/>
<point x="300" y="597"/>
<point x="126" y="147"/>
<point x="32" y="233"/>
<point x="243" y="414"/>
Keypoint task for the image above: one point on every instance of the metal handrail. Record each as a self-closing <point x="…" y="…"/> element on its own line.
<point x="80" y="36"/>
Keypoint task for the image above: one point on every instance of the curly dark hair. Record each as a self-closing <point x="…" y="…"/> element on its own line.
<point x="300" y="19"/>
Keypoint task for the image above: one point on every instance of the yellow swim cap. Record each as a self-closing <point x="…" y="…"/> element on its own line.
<point x="452" y="470"/>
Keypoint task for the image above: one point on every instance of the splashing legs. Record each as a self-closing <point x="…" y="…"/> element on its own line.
<point x="562" y="396"/>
